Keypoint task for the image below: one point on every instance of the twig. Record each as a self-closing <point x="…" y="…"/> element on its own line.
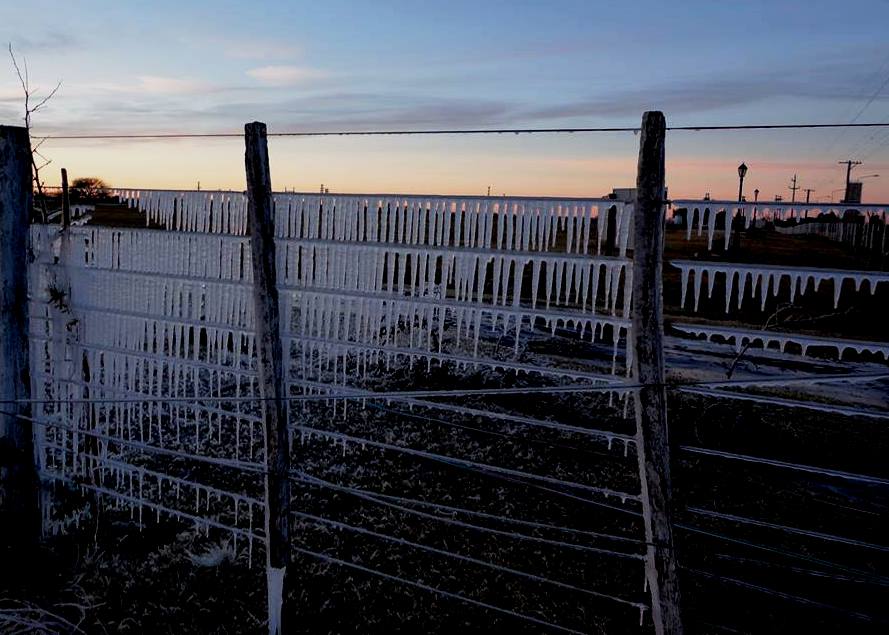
<point x="25" y="81"/>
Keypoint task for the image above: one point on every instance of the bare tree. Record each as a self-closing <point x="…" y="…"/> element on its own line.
<point x="31" y="108"/>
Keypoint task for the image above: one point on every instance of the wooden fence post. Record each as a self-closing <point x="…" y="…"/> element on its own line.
<point x="261" y="226"/>
<point x="66" y="201"/>
<point x="19" y="511"/>
<point x="651" y="399"/>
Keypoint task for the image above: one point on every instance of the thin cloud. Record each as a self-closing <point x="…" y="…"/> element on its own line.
<point x="159" y="85"/>
<point x="284" y="75"/>
<point x="704" y="94"/>
<point x="261" y="50"/>
<point x="53" y="41"/>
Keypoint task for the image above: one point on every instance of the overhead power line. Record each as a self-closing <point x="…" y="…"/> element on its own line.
<point x="367" y="133"/>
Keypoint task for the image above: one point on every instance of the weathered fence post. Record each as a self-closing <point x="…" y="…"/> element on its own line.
<point x="66" y="201"/>
<point x="261" y="224"/>
<point x="651" y="399"/>
<point x="19" y="512"/>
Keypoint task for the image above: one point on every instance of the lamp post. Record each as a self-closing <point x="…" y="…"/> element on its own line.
<point x="730" y="223"/>
<point x="755" y="200"/>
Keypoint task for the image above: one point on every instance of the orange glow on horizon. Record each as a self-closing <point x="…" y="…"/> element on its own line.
<point x="442" y="167"/>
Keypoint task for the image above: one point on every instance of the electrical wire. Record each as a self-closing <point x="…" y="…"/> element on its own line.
<point x="365" y="133"/>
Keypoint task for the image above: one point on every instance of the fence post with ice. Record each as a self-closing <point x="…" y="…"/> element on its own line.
<point x="651" y="399"/>
<point x="66" y="201"/>
<point x="260" y="221"/>
<point x="18" y="482"/>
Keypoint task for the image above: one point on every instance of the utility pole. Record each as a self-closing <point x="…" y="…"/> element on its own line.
<point x="793" y="187"/>
<point x="849" y="163"/>
<point x="808" y="192"/>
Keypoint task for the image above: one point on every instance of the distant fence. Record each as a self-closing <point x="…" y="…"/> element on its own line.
<point x="859" y="225"/>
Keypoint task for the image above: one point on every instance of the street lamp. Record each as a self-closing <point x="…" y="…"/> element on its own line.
<point x="755" y="200"/>
<point x="742" y="172"/>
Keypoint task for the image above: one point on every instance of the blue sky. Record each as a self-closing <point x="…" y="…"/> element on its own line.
<point x="211" y="66"/>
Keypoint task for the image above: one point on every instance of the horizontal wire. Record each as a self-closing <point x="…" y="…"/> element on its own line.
<point x="431" y="589"/>
<point x="312" y="480"/>
<point x="482" y="563"/>
<point x="465" y="463"/>
<point x="785" y="596"/>
<point x="802" y="571"/>
<point x="782" y="552"/>
<point x="112" y="463"/>
<point x="682" y="526"/>
<point x="504" y="519"/>
<point x="145" y="447"/>
<point x="469" y="392"/>
<point x="846" y="411"/>
<point x="785" y="528"/>
<point x="504" y="435"/>
<point x="159" y="508"/>
<point x="800" y="467"/>
<point x="367" y="133"/>
<point x="483" y="468"/>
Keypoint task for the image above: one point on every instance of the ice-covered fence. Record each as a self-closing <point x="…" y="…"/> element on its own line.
<point x="859" y="232"/>
<point x="159" y="322"/>
<point x="764" y="281"/>
<point x="145" y="357"/>
<point x="359" y="273"/>
<point x="701" y="215"/>
<point x="741" y="337"/>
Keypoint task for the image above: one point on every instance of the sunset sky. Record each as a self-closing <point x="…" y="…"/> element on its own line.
<point x="130" y="67"/>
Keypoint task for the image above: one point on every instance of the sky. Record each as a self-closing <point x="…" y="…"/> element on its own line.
<point x="185" y="67"/>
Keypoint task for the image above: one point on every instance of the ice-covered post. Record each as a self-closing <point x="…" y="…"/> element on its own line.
<point x="66" y="201"/>
<point x="19" y="513"/>
<point x="651" y="399"/>
<point x="261" y="224"/>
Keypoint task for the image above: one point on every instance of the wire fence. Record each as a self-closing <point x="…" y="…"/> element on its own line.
<point x="145" y="392"/>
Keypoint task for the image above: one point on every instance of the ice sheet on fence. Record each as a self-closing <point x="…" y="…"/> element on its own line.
<point x="509" y="223"/>
<point x="740" y="338"/>
<point x="764" y="281"/>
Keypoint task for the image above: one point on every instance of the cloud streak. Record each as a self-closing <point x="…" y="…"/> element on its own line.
<point x="706" y="94"/>
<point x="284" y="75"/>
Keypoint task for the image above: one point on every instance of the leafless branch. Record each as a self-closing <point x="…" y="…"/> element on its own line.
<point x="768" y="324"/>
<point x="774" y="320"/>
<point x="25" y="81"/>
